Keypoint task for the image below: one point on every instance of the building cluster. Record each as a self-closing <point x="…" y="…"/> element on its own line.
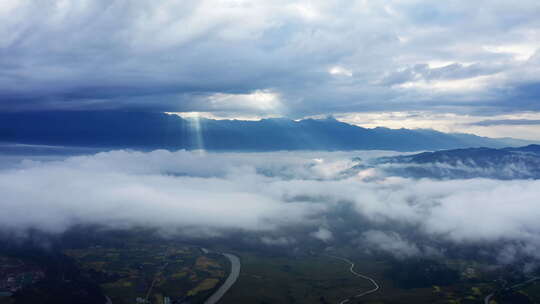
<point x="166" y="300"/>
<point x="16" y="275"/>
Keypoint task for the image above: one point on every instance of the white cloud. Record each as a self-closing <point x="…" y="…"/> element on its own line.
<point x="323" y="234"/>
<point x="520" y="52"/>
<point x="390" y="242"/>
<point x="461" y="85"/>
<point x="279" y="241"/>
<point x="279" y="197"/>
<point x="340" y="71"/>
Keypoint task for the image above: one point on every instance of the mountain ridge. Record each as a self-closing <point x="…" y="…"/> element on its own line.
<point x="504" y="163"/>
<point x="167" y="131"/>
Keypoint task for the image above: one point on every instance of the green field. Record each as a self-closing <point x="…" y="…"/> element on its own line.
<point x="137" y="265"/>
<point x="152" y="271"/>
<point x="321" y="279"/>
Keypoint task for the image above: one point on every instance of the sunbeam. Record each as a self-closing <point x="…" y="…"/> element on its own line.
<point x="196" y="131"/>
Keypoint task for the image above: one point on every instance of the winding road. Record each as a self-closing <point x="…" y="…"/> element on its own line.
<point x="488" y="298"/>
<point x="351" y="269"/>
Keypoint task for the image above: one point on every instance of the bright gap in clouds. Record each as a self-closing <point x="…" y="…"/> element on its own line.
<point x="458" y="85"/>
<point x="521" y="52"/>
<point x="509" y="125"/>
<point x="340" y="71"/>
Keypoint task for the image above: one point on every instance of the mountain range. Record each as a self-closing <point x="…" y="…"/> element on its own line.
<point x="143" y="130"/>
<point x="505" y="163"/>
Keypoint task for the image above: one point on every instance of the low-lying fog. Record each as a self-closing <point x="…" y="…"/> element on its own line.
<point x="280" y="199"/>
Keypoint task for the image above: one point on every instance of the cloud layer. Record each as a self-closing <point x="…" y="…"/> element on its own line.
<point x="239" y="57"/>
<point x="280" y="199"/>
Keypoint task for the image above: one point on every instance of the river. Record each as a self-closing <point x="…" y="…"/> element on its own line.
<point x="229" y="282"/>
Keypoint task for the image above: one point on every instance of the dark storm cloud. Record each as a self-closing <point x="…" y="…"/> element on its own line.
<point x="313" y="56"/>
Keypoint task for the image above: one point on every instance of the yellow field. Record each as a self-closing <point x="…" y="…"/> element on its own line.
<point x="204" y="285"/>
<point x="204" y="262"/>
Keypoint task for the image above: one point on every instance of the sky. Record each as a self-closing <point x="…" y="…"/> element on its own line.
<point x="460" y="66"/>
